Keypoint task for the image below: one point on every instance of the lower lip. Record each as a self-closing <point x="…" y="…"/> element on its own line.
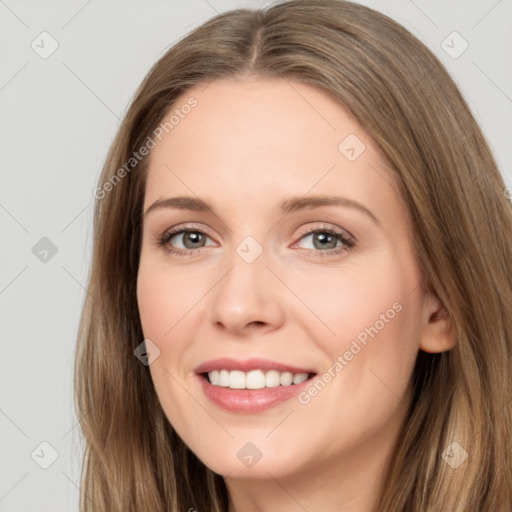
<point x="250" y="400"/>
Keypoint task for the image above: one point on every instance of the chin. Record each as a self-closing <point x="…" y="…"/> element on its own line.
<point x="244" y="459"/>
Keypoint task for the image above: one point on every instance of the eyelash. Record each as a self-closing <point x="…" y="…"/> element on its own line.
<point x="348" y="242"/>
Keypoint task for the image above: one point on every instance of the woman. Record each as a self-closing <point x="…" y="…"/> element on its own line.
<point x="300" y="296"/>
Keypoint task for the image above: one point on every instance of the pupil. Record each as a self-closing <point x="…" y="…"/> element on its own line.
<point x="194" y="237"/>
<point x="322" y="237"/>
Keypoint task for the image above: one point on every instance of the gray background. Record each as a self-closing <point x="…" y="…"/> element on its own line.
<point x="59" y="115"/>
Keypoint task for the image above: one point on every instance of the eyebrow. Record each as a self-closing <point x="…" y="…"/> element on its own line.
<point x="287" y="205"/>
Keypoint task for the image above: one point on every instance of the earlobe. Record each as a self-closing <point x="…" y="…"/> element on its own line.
<point x="438" y="332"/>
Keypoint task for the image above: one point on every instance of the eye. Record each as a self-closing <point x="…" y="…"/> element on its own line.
<point x="323" y="240"/>
<point x="326" y="240"/>
<point x="183" y="241"/>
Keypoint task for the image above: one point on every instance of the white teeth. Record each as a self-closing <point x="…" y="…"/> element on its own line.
<point x="224" y="378"/>
<point x="236" y="379"/>
<point x="214" y="377"/>
<point x="255" y="379"/>
<point x="286" y="378"/>
<point x="272" y="379"/>
<point x="299" y="378"/>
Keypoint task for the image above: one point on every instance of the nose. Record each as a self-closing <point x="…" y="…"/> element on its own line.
<point x="247" y="298"/>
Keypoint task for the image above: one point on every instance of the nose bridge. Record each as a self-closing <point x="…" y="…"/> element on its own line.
<point x="248" y="264"/>
<point x="250" y="250"/>
<point x="245" y="295"/>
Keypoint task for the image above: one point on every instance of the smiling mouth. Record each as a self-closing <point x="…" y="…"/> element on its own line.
<point x="254" y="379"/>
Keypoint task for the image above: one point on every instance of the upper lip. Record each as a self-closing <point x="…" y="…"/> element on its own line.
<point x="226" y="363"/>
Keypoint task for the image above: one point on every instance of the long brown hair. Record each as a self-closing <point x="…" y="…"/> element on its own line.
<point x="405" y="100"/>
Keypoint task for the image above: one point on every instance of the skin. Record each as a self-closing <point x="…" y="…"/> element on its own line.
<point x="246" y="146"/>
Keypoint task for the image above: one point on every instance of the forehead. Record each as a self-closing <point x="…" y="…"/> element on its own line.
<point x="261" y="140"/>
<point x="269" y="117"/>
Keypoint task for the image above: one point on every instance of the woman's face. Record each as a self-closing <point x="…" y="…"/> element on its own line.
<point x="297" y="260"/>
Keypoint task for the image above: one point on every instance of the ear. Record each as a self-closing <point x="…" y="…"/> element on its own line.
<point x="437" y="331"/>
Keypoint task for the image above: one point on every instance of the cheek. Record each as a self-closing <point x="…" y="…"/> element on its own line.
<point x="165" y="296"/>
<point x="164" y="299"/>
<point x="356" y="300"/>
<point x="368" y="327"/>
<point x="169" y="300"/>
<point x="366" y="380"/>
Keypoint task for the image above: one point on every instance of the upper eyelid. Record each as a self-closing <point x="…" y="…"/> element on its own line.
<point x="187" y="228"/>
<point x="326" y="227"/>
